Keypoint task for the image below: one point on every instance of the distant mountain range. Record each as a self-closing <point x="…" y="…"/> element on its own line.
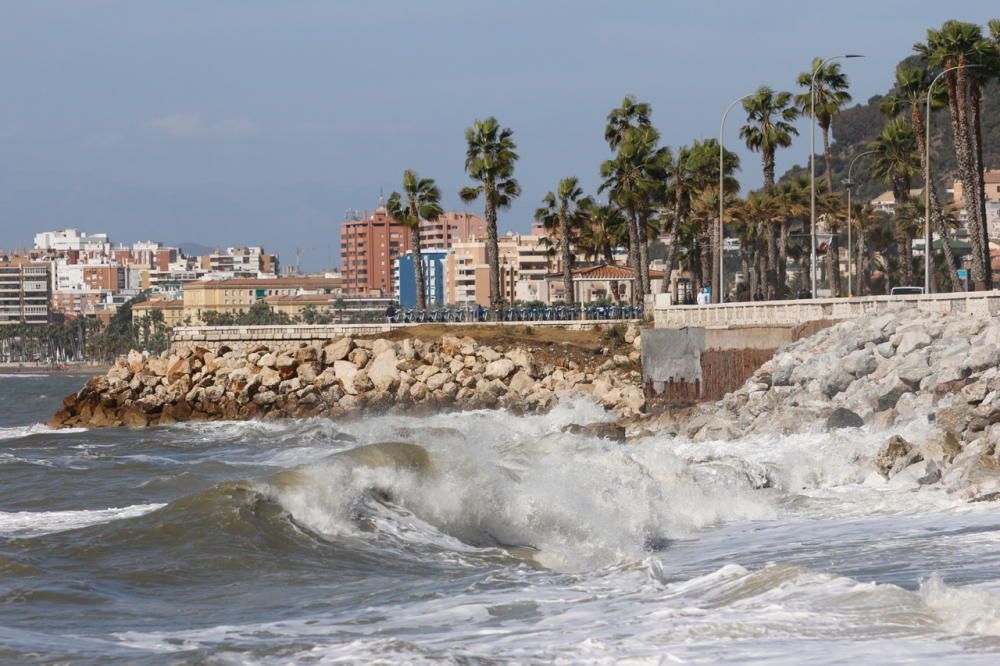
<point x="856" y="127"/>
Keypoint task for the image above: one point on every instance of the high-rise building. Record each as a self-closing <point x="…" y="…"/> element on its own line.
<point x="24" y="292"/>
<point x="450" y="228"/>
<point x="369" y="244"/>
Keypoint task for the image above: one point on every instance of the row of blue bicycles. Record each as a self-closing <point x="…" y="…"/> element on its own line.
<point x="516" y="314"/>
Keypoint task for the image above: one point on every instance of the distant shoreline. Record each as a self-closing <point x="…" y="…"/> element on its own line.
<point x="36" y="368"/>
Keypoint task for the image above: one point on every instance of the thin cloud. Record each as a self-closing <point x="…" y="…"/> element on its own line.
<point x="191" y="125"/>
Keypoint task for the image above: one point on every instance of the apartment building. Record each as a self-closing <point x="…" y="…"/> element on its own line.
<point x="249" y="262"/>
<point x="521" y="258"/>
<point x="369" y="244"/>
<point x="239" y="294"/>
<point x="450" y="228"/>
<point x="24" y="291"/>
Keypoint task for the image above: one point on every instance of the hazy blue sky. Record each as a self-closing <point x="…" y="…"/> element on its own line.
<point x="247" y="122"/>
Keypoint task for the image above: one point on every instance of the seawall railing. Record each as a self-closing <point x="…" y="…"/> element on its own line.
<point x="797" y="312"/>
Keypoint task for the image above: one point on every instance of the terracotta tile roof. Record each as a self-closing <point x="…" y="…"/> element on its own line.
<point x="158" y="305"/>
<point x="608" y="272"/>
<point x="992" y="176"/>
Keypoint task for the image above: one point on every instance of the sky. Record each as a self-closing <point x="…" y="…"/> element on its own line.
<point x="243" y="122"/>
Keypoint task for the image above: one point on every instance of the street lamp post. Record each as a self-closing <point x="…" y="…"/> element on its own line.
<point x="927" y="180"/>
<point x="720" y="290"/>
<point x="850" y="188"/>
<point x="812" y="162"/>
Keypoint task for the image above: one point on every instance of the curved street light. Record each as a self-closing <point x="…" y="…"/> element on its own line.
<point x="927" y="180"/>
<point x="850" y="187"/>
<point x="720" y="290"/>
<point x="812" y="162"/>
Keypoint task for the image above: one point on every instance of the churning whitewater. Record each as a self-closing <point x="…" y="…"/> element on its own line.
<point x="476" y="535"/>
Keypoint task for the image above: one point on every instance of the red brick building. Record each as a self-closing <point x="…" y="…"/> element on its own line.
<point x="370" y="243"/>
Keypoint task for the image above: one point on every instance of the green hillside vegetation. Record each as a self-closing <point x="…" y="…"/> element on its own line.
<point x="858" y="126"/>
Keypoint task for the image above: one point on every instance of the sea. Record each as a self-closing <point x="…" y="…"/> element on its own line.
<point x="477" y="537"/>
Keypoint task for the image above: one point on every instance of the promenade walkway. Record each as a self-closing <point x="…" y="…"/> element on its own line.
<point x="797" y="312"/>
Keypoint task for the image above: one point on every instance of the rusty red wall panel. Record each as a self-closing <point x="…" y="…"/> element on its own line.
<point x="723" y="371"/>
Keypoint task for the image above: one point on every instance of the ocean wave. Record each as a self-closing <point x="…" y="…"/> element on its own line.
<point x="36" y="523"/>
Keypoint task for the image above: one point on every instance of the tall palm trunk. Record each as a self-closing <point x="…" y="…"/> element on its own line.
<point x="567" y="258"/>
<point x="957" y="85"/>
<point x="634" y="255"/>
<point x="492" y="249"/>
<point x="832" y="256"/>
<point x="976" y="135"/>
<point x="919" y="130"/>
<point x="675" y="233"/>
<point x="643" y="220"/>
<point x="418" y="261"/>
<point x="783" y="257"/>
<point x="706" y="259"/>
<point x="901" y="236"/>
<point x="827" y="160"/>
<point x="771" y="270"/>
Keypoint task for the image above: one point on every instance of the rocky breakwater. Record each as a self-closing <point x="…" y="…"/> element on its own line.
<point x="342" y="377"/>
<point x="932" y="377"/>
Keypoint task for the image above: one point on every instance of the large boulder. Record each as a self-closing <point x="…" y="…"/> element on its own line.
<point x="499" y="369"/>
<point x="346" y="372"/>
<point x="337" y="350"/>
<point x="383" y="371"/>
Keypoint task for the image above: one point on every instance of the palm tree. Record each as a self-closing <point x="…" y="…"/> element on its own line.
<point x="793" y="195"/>
<point x="489" y="159"/>
<point x="769" y="127"/>
<point x="605" y="230"/>
<point x="694" y="184"/>
<point x="831" y="96"/>
<point x="895" y="161"/>
<point x="630" y="115"/>
<point x="909" y="94"/>
<point x="957" y="44"/>
<point x="865" y="220"/>
<point x="634" y="180"/>
<point x="754" y="218"/>
<point x="564" y="215"/>
<point x="423" y="202"/>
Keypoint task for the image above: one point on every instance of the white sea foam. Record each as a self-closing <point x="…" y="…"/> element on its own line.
<point x="34" y="523"/>
<point x="781" y="614"/>
<point x="35" y="429"/>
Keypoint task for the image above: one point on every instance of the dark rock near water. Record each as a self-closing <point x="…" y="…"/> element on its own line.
<point x="843" y="418"/>
<point x="612" y="431"/>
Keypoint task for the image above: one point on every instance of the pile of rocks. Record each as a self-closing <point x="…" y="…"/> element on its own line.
<point x="901" y="367"/>
<point x="340" y="377"/>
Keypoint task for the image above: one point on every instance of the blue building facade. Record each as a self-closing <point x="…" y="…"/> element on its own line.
<point x="434" y="278"/>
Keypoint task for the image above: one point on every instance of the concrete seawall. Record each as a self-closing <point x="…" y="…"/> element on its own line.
<point x="703" y="364"/>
